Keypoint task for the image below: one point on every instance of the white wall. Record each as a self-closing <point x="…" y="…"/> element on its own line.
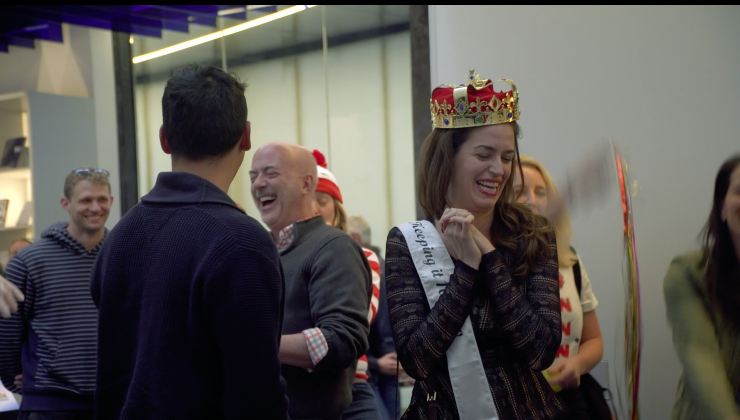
<point x="81" y="66"/>
<point x="371" y="150"/>
<point x="663" y="82"/>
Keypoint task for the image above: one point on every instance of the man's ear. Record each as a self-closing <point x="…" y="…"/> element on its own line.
<point x="65" y="203"/>
<point x="163" y="141"/>
<point x="245" y="143"/>
<point x="308" y="187"/>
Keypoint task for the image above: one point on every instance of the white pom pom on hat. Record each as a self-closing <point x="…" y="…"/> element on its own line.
<point x="327" y="181"/>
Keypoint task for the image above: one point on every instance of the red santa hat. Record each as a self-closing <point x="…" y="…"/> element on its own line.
<point x="327" y="181"/>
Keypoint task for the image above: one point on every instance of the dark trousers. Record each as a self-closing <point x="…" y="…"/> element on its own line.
<point x="363" y="405"/>
<point x="56" y="415"/>
<point x="573" y="399"/>
<point x="387" y="396"/>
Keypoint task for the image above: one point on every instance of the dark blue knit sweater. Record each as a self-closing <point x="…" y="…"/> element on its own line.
<point x="190" y="296"/>
<point x="53" y="332"/>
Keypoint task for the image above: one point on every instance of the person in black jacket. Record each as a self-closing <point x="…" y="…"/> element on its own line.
<point x="189" y="288"/>
<point x="327" y="285"/>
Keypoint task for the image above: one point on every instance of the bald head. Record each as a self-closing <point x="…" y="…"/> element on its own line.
<point x="297" y="159"/>
<point x="283" y="179"/>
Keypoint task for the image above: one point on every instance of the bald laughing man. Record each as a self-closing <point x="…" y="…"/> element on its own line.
<point x="327" y="285"/>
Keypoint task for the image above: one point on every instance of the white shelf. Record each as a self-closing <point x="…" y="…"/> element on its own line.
<point x="14" y="228"/>
<point x="15" y="173"/>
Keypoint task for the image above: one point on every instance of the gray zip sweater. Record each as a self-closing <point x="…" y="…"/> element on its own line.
<point x="327" y="286"/>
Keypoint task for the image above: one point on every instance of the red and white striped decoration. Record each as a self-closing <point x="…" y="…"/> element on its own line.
<point x="372" y="258"/>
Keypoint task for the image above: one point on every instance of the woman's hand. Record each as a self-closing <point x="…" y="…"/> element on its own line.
<point x="588" y="179"/>
<point x="484" y="245"/>
<point x="566" y="373"/>
<point x="455" y="226"/>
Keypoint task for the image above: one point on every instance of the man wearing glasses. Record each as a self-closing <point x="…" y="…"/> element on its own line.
<point x="51" y="340"/>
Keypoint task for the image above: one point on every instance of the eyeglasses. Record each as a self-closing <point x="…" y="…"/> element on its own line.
<point x="85" y="172"/>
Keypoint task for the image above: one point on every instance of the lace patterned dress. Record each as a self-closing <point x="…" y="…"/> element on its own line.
<point x="516" y="323"/>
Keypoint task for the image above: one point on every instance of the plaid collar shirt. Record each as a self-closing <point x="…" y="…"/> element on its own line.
<point x="285" y="238"/>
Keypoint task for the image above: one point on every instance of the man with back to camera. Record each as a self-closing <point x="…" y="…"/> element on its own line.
<point x="189" y="288"/>
<point x="327" y="285"/>
<point x="51" y="339"/>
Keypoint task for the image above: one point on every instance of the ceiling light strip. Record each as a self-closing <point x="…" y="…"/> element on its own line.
<point x="219" y="34"/>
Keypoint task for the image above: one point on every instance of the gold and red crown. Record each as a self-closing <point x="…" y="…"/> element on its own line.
<point x="473" y="104"/>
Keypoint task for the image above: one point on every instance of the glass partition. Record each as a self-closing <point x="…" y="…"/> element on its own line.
<point x="370" y="142"/>
<point x="332" y="78"/>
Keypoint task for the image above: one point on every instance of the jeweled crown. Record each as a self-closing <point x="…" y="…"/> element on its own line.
<point x="473" y="104"/>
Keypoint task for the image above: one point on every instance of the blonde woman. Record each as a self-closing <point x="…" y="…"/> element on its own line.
<point x="581" y="346"/>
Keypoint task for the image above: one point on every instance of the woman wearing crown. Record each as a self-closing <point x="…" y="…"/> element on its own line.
<point x="473" y="290"/>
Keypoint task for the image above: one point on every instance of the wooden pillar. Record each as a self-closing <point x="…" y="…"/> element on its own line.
<point x="126" y="116"/>
<point x="421" y="85"/>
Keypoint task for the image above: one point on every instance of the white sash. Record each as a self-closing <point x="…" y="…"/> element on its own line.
<point x="434" y="265"/>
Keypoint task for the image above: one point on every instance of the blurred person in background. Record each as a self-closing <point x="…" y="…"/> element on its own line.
<point x="702" y="295"/>
<point x="359" y="229"/>
<point x="581" y="346"/>
<point x="16" y="246"/>
<point x="329" y="205"/>
<point x="52" y="338"/>
<point x="382" y="358"/>
<point x="13" y="249"/>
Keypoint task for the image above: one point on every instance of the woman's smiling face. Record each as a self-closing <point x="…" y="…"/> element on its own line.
<point x="481" y="168"/>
